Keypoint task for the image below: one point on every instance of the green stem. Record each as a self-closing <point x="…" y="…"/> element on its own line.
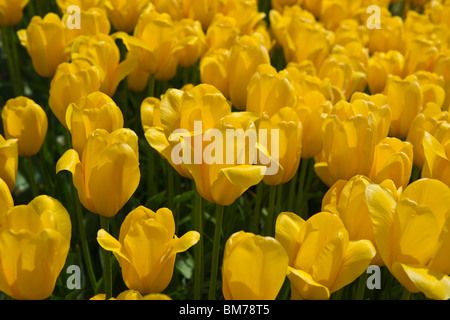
<point x="271" y="210"/>
<point x="107" y="267"/>
<point x="170" y="187"/>
<point x="301" y="187"/>
<point x="198" y="249"/>
<point x="9" y="42"/>
<point x="151" y="85"/>
<point x="406" y="295"/>
<point x="34" y="188"/>
<point x="292" y="186"/>
<point x="84" y="242"/>
<point x="151" y="172"/>
<point x="215" y="252"/>
<point x="361" y="286"/>
<point x="255" y="222"/>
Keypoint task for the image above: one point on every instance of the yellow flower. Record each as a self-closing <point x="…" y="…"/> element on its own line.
<point x="280" y="4"/>
<point x="9" y="161"/>
<point x="269" y="91"/>
<point x="421" y="55"/>
<point x="27" y="122"/>
<point x="94" y="111"/>
<point x="11" y="12"/>
<point x="154" y="41"/>
<point x="108" y="173"/>
<point x="390" y="35"/>
<point x="322" y="259"/>
<point x="82" y="4"/>
<point x="124" y="14"/>
<point x="437" y="154"/>
<point x="404" y="97"/>
<point x="254" y="267"/>
<point x="72" y="81"/>
<point x="44" y="40"/>
<point x="147" y="248"/>
<point x="133" y="295"/>
<point x="245" y="57"/>
<point x="245" y="12"/>
<point x="202" y="10"/>
<point x="214" y="69"/>
<point x="289" y="143"/>
<point x="412" y="235"/>
<point x="192" y="42"/>
<point x="382" y="64"/>
<point x="347" y="200"/>
<point x="222" y="32"/>
<point x="34" y="243"/>
<point x="6" y="202"/>
<point x="101" y="50"/>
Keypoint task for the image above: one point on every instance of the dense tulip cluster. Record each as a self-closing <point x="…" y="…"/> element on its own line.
<point x="316" y="131"/>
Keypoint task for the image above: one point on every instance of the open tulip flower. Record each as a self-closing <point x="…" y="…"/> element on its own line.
<point x="27" y="122"/>
<point x="412" y="235"/>
<point x="34" y="243"/>
<point x="9" y="161"/>
<point x="322" y="259"/>
<point x="108" y="173"/>
<point x="254" y="267"/>
<point x="147" y="248"/>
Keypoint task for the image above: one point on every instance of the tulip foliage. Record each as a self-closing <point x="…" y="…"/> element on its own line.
<point x="224" y="149"/>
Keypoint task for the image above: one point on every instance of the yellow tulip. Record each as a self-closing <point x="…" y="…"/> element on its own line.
<point x="124" y="14"/>
<point x="390" y="36"/>
<point x="192" y="42"/>
<point x="44" y="39"/>
<point x="6" y="201"/>
<point x="412" y="235"/>
<point x="289" y="142"/>
<point x="322" y="259"/>
<point x="254" y="267"/>
<point x="34" y="243"/>
<point x="11" y="12"/>
<point x="222" y="32"/>
<point x="82" y="4"/>
<point x="426" y="121"/>
<point x="431" y="85"/>
<point x="280" y="4"/>
<point x="214" y="69"/>
<point x="133" y="295"/>
<point x="147" y="248"/>
<point x="172" y="7"/>
<point x="108" y="173"/>
<point x="72" y="81"/>
<point x="437" y="154"/>
<point x="269" y="91"/>
<point x="347" y="200"/>
<point x="27" y="122"/>
<point x="101" y="50"/>
<point x="9" y="161"/>
<point x="94" y="111"/>
<point x="92" y="21"/>
<point x="202" y="10"/>
<point x="137" y="80"/>
<point x="382" y="64"/>
<point x="405" y="101"/>
<point x="245" y="57"/>
<point x="154" y="41"/>
<point x="245" y="12"/>
<point x="421" y="55"/>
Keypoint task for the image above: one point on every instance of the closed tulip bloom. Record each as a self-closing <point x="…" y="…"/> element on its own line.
<point x="245" y="57"/>
<point x="124" y="14"/>
<point x="9" y="161"/>
<point x="223" y="32"/>
<point x="254" y="267"/>
<point x="94" y="21"/>
<point x="101" y="50"/>
<point x="27" y="122"/>
<point x="421" y="55"/>
<point x="390" y="36"/>
<point x="214" y="69"/>
<point x="322" y="259"/>
<point x="11" y="12"/>
<point x="108" y="173"/>
<point x="393" y="159"/>
<point x="382" y="64"/>
<point x="289" y="143"/>
<point x="269" y="91"/>
<point x="192" y="42"/>
<point x="347" y="200"/>
<point x="44" y="40"/>
<point x="405" y="101"/>
<point x="72" y="81"/>
<point x="412" y="235"/>
<point x="245" y="12"/>
<point x="34" y="243"/>
<point x="94" y="111"/>
<point x="147" y="248"/>
<point x="437" y="154"/>
<point x="432" y="86"/>
<point x="202" y="10"/>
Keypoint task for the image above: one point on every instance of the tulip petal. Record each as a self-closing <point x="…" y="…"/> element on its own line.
<point x="441" y="259"/>
<point x="109" y="243"/>
<point x="287" y="232"/>
<point x="304" y="287"/>
<point x="185" y="242"/>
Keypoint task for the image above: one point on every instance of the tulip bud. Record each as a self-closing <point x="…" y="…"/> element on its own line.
<point x="94" y="111"/>
<point x="214" y="69"/>
<point x="44" y="40"/>
<point x="202" y="10"/>
<point x="11" y="12"/>
<point x="124" y="14"/>
<point x="390" y="35"/>
<point x="27" y="122"/>
<point x="382" y="64"/>
<point x="192" y="42"/>
<point x="147" y="248"/>
<point x="108" y="173"/>
<point x="72" y="81"/>
<point x="92" y="22"/>
<point x="346" y="260"/>
<point x="34" y="243"/>
<point x="254" y="267"/>
<point x="223" y="32"/>
<point x="9" y="161"/>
